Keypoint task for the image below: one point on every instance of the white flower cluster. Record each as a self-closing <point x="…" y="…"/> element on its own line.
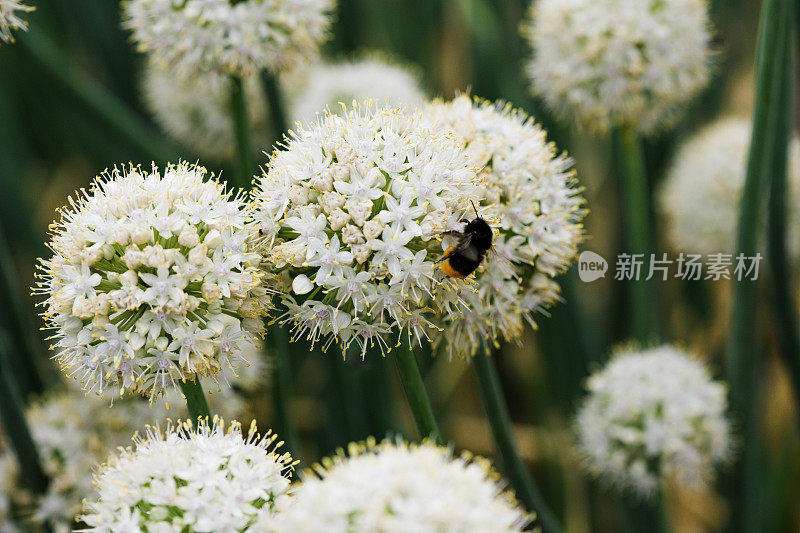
<point x="240" y="38"/>
<point x="532" y="197"/>
<point x="9" y="19"/>
<point x="653" y="416"/>
<point x="351" y="214"/>
<point x="190" y="479"/>
<point x="701" y="193"/>
<point x="73" y="434"/>
<point x="399" y="487"/>
<point x="329" y="86"/>
<point x="619" y="62"/>
<point x="152" y="280"/>
<point x="195" y="110"/>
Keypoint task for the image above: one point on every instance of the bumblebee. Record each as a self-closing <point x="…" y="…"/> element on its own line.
<point x="461" y="260"/>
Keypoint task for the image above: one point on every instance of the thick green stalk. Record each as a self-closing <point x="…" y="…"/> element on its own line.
<point x="635" y="201"/>
<point x="15" y="427"/>
<point x="416" y="394"/>
<point x="500" y="422"/>
<point x="277" y="113"/>
<point x="195" y="399"/>
<point x="777" y="258"/>
<point x="772" y="103"/>
<point x="282" y="388"/>
<point x="350" y="397"/>
<point x="241" y="132"/>
<point x="96" y="98"/>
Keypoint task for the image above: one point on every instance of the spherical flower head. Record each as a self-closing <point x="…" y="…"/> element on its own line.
<point x="653" y="416"/>
<point x="73" y="433"/>
<point x="240" y="38"/>
<point x="701" y="193"/>
<point x="153" y="279"/>
<point x="195" y="110"/>
<point x="10" y="20"/>
<point x="608" y="63"/>
<point x="396" y="487"/>
<point x="351" y="214"/>
<point x="186" y="478"/>
<point x="330" y="86"/>
<point x="534" y="204"/>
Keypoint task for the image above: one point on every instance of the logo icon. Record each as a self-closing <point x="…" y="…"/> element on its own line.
<point x="591" y="266"/>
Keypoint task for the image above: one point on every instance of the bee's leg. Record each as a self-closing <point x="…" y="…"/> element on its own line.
<point x="453" y="233"/>
<point x="446" y="254"/>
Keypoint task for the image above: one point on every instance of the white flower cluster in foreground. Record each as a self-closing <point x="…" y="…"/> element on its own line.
<point x="240" y="38"/>
<point x="653" y="416"/>
<point x="190" y="479"/>
<point x="152" y="280"/>
<point x="9" y="19"/>
<point x="351" y="214"/>
<point x="196" y="110"/>
<point x="533" y="199"/>
<point x="329" y="86"/>
<point x="73" y="434"/>
<point x="701" y="193"/>
<point x="619" y="62"/>
<point x="399" y="487"/>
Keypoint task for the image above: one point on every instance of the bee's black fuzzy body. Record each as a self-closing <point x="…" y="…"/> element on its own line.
<point x="462" y="259"/>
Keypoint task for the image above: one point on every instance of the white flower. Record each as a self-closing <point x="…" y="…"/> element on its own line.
<point x="533" y="202"/>
<point x="195" y="110"/>
<point x="345" y="204"/>
<point x="329" y="86"/>
<point x="651" y="416"/>
<point x="239" y="38"/>
<point x="619" y="62"/>
<point x="73" y="434"/>
<point x="10" y="21"/>
<point x="701" y="193"/>
<point x="398" y="487"/>
<point x="190" y="479"/>
<point x="123" y="292"/>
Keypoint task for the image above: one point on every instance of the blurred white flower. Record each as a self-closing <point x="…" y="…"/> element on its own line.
<point x="357" y="204"/>
<point x="606" y="63"/>
<point x="195" y="110"/>
<point x="186" y="478"/>
<point x="240" y="38"/>
<point x="331" y="85"/>
<point x="701" y="193"/>
<point x="74" y="433"/>
<point x="533" y="201"/>
<point x="152" y="280"/>
<point x="398" y="487"/>
<point x="652" y="416"/>
<point x="9" y="19"/>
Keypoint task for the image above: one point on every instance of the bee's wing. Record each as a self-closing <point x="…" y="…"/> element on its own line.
<point x="466" y="248"/>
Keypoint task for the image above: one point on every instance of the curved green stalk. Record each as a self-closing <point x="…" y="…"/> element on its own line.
<point x="635" y="201"/>
<point x="281" y="388"/>
<point x="768" y="145"/>
<point x="241" y="132"/>
<point x="195" y="399"/>
<point x="96" y="98"/>
<point x="416" y="394"/>
<point x="500" y="422"/>
<point x="15" y="427"/>
<point x="277" y="113"/>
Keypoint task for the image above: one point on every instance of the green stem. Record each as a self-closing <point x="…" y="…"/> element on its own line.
<point x="241" y="131"/>
<point x="195" y="399"/>
<point x="282" y="388"/>
<point x="416" y="394"/>
<point x="350" y="397"/>
<point x="645" y="515"/>
<point x="500" y="422"/>
<point x="635" y="200"/>
<point x="15" y="427"/>
<point x="768" y="144"/>
<point x="277" y="112"/>
<point x="96" y="98"/>
<point x="778" y="260"/>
